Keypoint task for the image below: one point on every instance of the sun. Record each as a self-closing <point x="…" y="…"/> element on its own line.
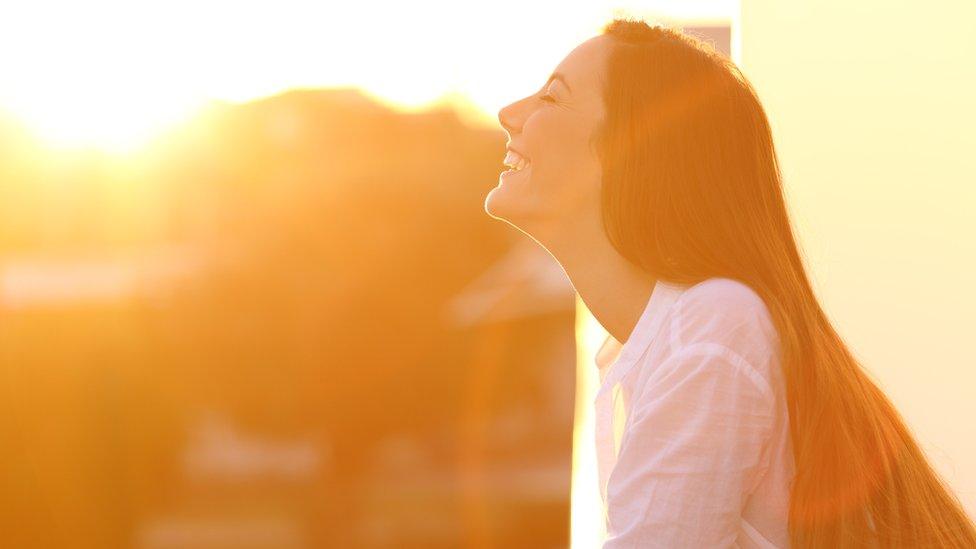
<point x="82" y="79"/>
<point x="112" y="122"/>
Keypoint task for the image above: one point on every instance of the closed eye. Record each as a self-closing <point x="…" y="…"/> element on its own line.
<point x="548" y="98"/>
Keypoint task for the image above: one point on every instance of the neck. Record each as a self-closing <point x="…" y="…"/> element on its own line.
<point x="615" y="290"/>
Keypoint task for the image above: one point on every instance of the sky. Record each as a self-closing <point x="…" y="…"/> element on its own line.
<point x="111" y="74"/>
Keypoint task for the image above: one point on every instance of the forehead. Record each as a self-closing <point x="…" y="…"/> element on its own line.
<point x="584" y="66"/>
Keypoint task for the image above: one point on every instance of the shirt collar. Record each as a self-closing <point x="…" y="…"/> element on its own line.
<point x="611" y="352"/>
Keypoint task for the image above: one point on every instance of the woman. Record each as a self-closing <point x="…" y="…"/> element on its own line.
<point x="733" y="415"/>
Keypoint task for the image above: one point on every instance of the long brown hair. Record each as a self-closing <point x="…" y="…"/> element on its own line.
<point x="692" y="190"/>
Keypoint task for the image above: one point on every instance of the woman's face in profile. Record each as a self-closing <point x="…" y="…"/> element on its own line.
<point x="551" y="131"/>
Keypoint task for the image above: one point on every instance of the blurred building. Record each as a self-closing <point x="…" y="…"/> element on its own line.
<point x="511" y="466"/>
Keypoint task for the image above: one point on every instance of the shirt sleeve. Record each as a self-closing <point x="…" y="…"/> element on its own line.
<point x="692" y="452"/>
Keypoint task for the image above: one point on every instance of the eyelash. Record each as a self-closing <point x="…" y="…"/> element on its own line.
<point x="548" y="98"/>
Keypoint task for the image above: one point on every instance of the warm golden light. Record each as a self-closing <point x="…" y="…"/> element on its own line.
<point x="248" y="288"/>
<point x="115" y="124"/>
<point x="112" y="74"/>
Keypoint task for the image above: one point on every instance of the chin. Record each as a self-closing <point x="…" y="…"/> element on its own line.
<point x="505" y="205"/>
<point x="496" y="204"/>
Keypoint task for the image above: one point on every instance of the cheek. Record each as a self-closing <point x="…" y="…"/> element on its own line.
<point x="566" y="159"/>
<point x="571" y="185"/>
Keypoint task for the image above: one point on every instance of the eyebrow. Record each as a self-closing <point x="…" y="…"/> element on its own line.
<point x="561" y="78"/>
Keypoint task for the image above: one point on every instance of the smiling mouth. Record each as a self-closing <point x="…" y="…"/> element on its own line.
<point x="515" y="160"/>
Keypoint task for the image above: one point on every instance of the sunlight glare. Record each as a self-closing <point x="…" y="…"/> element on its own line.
<point x="112" y="73"/>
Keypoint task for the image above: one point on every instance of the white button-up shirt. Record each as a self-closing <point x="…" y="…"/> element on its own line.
<point x="692" y="430"/>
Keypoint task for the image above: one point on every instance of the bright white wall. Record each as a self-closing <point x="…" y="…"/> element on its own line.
<point x="872" y="109"/>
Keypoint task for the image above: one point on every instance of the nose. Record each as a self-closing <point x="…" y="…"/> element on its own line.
<point x="511" y="117"/>
<point x="503" y="118"/>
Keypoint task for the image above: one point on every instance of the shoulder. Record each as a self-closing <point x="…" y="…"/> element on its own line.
<point x="720" y="295"/>
<point x="728" y="313"/>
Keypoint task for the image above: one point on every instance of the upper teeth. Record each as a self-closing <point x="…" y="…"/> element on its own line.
<point x="515" y="161"/>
